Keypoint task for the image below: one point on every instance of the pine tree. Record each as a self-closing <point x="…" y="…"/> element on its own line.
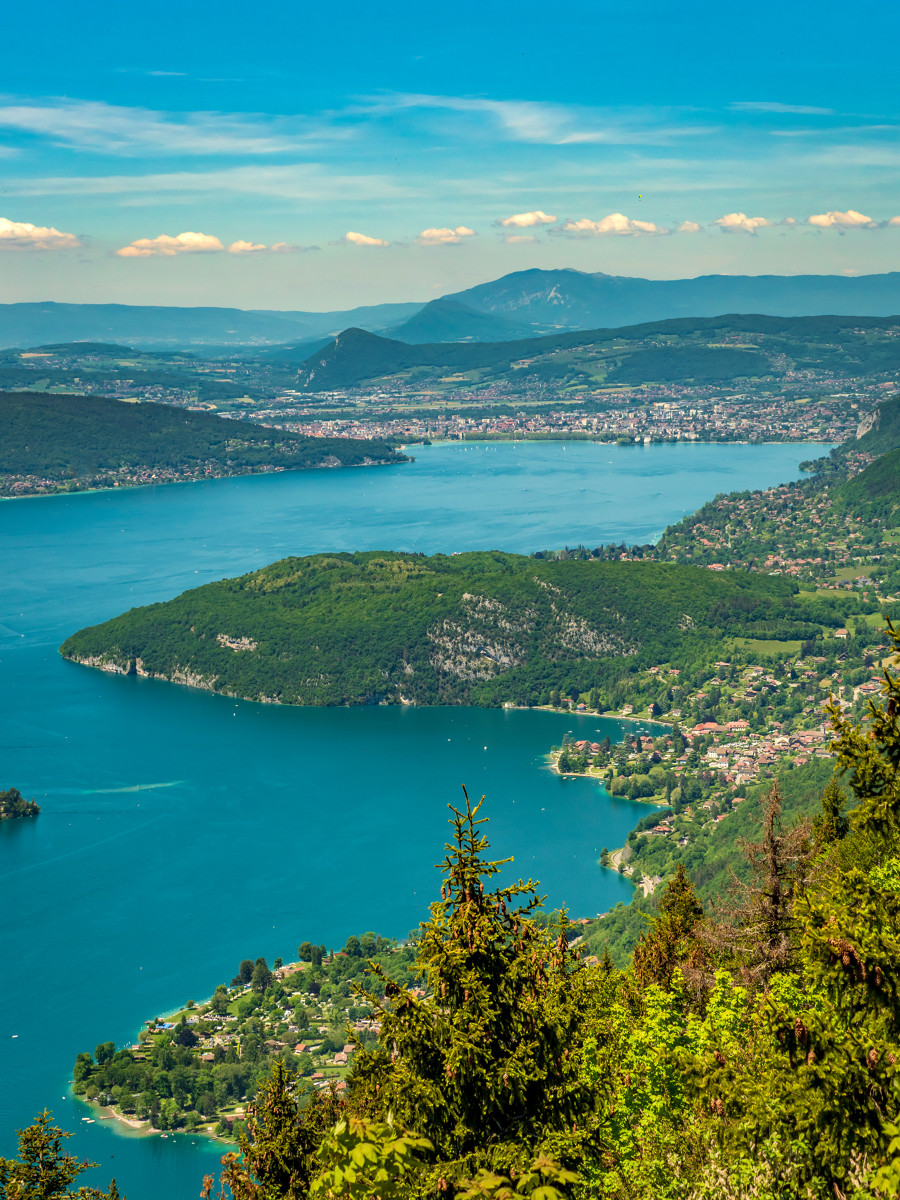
<point x="671" y="941"/>
<point x="276" y="1159"/>
<point x="757" y="931"/>
<point x="485" y="1065"/>
<point x="44" y="1171"/>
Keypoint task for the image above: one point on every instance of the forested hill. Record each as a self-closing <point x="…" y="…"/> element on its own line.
<point x="74" y="441"/>
<point x="481" y="628"/>
<point x="696" y="350"/>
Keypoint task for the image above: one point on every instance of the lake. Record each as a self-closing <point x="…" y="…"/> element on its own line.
<point x="182" y="832"/>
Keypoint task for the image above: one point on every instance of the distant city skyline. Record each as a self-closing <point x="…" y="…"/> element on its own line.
<point x="291" y="159"/>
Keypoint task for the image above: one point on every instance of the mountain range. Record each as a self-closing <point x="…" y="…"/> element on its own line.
<point x="684" y="350"/>
<point x="519" y="305"/>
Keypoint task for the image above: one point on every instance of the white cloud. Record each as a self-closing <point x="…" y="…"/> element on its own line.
<point x="22" y="235"/>
<point x="688" y="227"/>
<point x="894" y="221"/>
<point x="773" y="106"/>
<point x="241" y="247"/>
<point x="360" y="239"/>
<point x="247" y="248"/>
<point x="445" y="236"/>
<point x="167" y="247"/>
<point x="614" y="223"/>
<point x="738" y="222"/>
<point x="527" y="220"/>
<point x="851" y="219"/>
<point x="518" y="239"/>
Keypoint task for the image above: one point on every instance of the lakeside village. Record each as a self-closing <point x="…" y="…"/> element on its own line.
<point x="657" y="413"/>
<point x="734" y="723"/>
<point x="198" y="1069"/>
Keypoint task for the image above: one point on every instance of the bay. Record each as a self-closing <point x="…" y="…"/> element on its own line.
<point x="182" y="832"/>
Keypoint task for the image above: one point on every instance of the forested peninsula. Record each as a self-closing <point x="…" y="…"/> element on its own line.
<point x="480" y="628"/>
<point x="53" y="443"/>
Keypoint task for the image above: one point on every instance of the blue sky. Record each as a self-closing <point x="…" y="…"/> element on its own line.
<point x="318" y="157"/>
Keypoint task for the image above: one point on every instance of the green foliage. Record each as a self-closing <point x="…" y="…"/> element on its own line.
<point x="367" y="1159"/>
<point x="670" y="943"/>
<point x="544" y="1179"/>
<point x="481" y="628"/>
<point x="44" y="1171"/>
<point x="73" y="437"/>
<point x="486" y="1065"/>
<point x="13" y="804"/>
<point x="875" y="492"/>
<point x="278" y="1144"/>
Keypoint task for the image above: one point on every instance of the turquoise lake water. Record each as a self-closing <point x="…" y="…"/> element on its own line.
<point x="182" y="832"/>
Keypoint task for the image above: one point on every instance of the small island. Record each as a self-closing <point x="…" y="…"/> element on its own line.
<point x="13" y="804"/>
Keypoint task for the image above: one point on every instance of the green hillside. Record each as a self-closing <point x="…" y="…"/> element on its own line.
<point x="67" y="438"/>
<point x="479" y="628"/>
<point x="698" y="350"/>
<point x="884" y="433"/>
<point x="875" y="492"/>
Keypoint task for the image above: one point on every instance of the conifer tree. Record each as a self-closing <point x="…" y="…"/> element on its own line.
<point x="485" y="1065"/>
<point x="44" y="1171"/>
<point x="276" y="1159"/>
<point x="671" y="941"/>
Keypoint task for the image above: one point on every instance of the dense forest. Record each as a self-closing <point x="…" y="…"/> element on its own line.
<point x="479" y="628"/>
<point x="750" y="1048"/>
<point x="67" y="438"/>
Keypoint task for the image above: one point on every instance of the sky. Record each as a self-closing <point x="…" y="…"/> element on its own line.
<point x="318" y="157"/>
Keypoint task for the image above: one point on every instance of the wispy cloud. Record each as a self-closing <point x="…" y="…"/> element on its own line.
<point x="294" y="181"/>
<point x="689" y="227"/>
<point x="518" y="239"/>
<point x="88" y="125"/>
<point x="543" y="123"/>
<point x="22" y="235"/>
<point x="775" y="106"/>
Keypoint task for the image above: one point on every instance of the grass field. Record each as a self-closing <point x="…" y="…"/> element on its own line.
<point x="760" y="646"/>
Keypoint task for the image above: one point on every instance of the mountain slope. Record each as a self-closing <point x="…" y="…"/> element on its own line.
<point x="481" y="627"/>
<point x="570" y="299"/>
<point x="36" y="324"/>
<point x="874" y="492"/>
<point x="448" y="321"/>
